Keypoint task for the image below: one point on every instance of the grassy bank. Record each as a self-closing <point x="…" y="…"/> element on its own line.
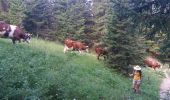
<point x="41" y="71"/>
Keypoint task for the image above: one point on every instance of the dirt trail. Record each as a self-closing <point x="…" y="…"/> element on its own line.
<point x="165" y="87"/>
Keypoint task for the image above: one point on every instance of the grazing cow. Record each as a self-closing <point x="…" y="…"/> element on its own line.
<point x="75" y="45"/>
<point x="13" y="32"/>
<point x="101" y="52"/>
<point x="151" y="62"/>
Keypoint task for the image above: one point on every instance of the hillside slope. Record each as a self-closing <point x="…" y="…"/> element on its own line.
<point x="41" y="71"/>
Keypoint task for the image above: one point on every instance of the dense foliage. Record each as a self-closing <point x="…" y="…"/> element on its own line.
<point x="153" y="17"/>
<point x="61" y="19"/>
<point x="122" y="37"/>
<point x="12" y="11"/>
<point x="134" y="22"/>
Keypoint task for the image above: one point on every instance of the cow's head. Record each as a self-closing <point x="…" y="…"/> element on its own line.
<point x="4" y="27"/>
<point x="27" y="37"/>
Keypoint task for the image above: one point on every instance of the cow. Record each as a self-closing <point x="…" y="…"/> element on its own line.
<point x="13" y="32"/>
<point x="74" y="45"/>
<point x="100" y="51"/>
<point x="151" y="62"/>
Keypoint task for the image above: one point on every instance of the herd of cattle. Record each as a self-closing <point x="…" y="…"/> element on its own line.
<point x="17" y="34"/>
<point x="79" y="46"/>
<point x="100" y="51"/>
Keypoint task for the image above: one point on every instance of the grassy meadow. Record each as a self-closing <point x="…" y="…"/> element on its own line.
<point x="41" y="71"/>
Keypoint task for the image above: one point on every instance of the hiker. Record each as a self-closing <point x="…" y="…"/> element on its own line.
<point x="137" y="75"/>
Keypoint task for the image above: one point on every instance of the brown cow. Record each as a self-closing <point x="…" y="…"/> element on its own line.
<point x="74" y="45"/>
<point x="13" y="32"/>
<point x="101" y="52"/>
<point x="151" y="62"/>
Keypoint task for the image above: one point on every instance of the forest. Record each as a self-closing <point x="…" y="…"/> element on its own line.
<point x="127" y="28"/>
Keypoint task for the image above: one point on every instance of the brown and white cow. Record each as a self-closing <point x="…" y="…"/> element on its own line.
<point x="74" y="45"/>
<point x="100" y="51"/>
<point x="152" y="62"/>
<point x="13" y="32"/>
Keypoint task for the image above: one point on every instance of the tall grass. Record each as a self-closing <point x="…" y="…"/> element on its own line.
<point x="41" y="71"/>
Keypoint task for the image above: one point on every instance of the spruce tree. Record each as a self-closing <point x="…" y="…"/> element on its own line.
<point x="38" y="16"/>
<point x="12" y="11"/>
<point x="122" y="39"/>
<point x="154" y="15"/>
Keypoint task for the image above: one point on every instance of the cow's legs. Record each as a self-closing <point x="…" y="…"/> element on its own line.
<point x="98" y="56"/>
<point x="65" y="48"/>
<point x="154" y="68"/>
<point x="13" y="41"/>
<point x="80" y="51"/>
<point x="19" y="41"/>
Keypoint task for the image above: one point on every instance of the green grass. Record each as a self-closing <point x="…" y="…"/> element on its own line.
<point x="41" y="70"/>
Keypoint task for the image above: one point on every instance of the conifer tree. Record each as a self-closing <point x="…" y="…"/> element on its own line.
<point x="12" y="11"/>
<point x="38" y="16"/>
<point x="154" y="15"/>
<point x="121" y="38"/>
<point x="100" y="11"/>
